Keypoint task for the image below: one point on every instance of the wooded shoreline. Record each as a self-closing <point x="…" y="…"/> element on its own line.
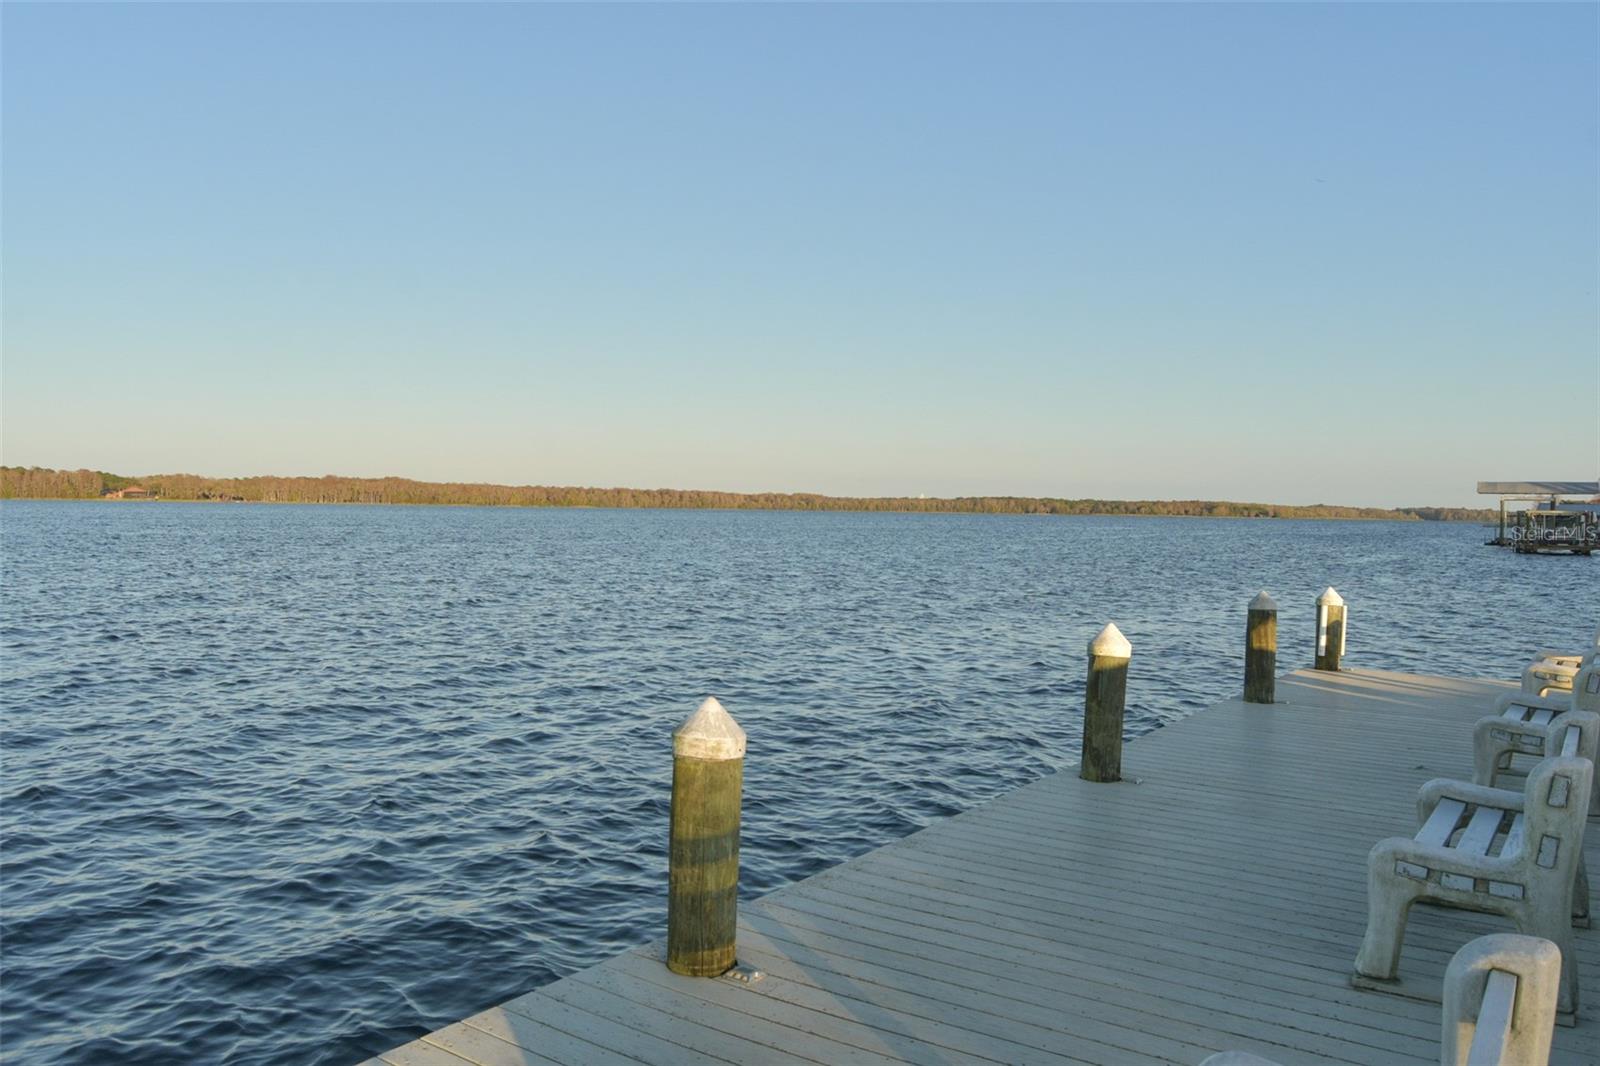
<point x="44" y="484"/>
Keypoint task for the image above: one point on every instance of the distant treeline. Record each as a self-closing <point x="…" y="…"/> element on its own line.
<point x="18" y="482"/>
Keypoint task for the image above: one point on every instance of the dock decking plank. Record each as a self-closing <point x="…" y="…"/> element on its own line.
<point x="1231" y="914"/>
<point x="422" y="1053"/>
<point x="1001" y="1024"/>
<point x="628" y="1017"/>
<point x="483" y="1048"/>
<point x="710" y="1009"/>
<point x="1063" y="999"/>
<point x="920" y="989"/>
<point x="887" y="1035"/>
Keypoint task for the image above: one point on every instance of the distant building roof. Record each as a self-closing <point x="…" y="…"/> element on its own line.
<point x="1539" y="488"/>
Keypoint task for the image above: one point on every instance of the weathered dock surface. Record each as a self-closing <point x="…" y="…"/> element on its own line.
<point x="1215" y="902"/>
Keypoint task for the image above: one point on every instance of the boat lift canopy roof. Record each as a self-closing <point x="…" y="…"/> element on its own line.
<point x="1539" y="489"/>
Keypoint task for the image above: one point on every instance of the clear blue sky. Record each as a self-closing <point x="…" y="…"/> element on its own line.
<point x="1289" y="253"/>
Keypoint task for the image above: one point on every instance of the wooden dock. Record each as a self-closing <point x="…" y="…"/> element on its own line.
<point x="1214" y="900"/>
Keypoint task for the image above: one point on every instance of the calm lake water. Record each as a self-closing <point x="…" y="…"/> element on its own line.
<point x="292" y="784"/>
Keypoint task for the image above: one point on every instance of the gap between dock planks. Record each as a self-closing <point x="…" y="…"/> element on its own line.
<point x="1213" y="900"/>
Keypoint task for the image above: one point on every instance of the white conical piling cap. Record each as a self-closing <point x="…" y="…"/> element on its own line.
<point x="1330" y="598"/>
<point x="1263" y="602"/>
<point x="709" y="733"/>
<point x="1109" y="643"/>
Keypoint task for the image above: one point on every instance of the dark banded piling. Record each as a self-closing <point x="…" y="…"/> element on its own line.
<point x="1261" y="649"/>
<point x="703" y="856"/>
<point x="1103" y="701"/>
<point x="1330" y="630"/>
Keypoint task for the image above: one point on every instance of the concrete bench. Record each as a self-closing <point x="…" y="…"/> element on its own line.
<point x="1499" y="1005"/>
<point x="1516" y="854"/>
<point x="1554" y="671"/>
<point x="1536" y="726"/>
<point x="1550" y="675"/>
<point x="1540" y="732"/>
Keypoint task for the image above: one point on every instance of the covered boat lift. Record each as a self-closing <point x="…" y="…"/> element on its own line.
<point x="1571" y="534"/>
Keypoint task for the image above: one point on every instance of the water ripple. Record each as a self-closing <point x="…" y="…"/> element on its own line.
<point x="297" y="784"/>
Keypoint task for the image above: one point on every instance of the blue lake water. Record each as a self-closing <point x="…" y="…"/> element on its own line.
<point x="290" y="784"/>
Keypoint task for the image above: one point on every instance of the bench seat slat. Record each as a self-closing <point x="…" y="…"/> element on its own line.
<point x="1514" y="838"/>
<point x="1542" y="716"/>
<point x="1569" y="746"/>
<point x="1441" y="823"/>
<point x="1480" y="831"/>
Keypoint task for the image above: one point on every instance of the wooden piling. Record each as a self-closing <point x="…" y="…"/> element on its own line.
<point x="703" y="856"/>
<point x="1330" y="630"/>
<point x="1261" y="649"/>
<point x="1103" y="702"/>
